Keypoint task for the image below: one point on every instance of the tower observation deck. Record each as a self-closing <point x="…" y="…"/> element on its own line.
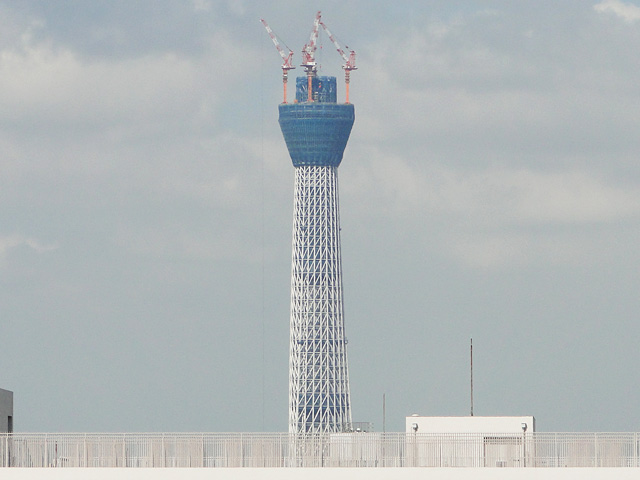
<point x="316" y="129"/>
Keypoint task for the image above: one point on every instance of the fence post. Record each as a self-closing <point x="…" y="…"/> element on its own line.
<point x="164" y="460"/>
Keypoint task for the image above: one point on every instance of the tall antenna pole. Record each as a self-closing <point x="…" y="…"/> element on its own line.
<point x="471" y="352"/>
<point x="384" y="413"/>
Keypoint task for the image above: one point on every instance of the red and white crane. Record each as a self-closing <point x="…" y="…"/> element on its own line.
<point x="309" y="56"/>
<point x="350" y="61"/>
<point x="286" y="65"/>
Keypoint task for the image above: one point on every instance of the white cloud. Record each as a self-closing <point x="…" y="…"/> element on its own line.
<point x="518" y="249"/>
<point x="201" y="5"/>
<point x="47" y="84"/>
<point x="15" y="240"/>
<point x="41" y="83"/>
<point x="494" y="196"/>
<point x="525" y="197"/>
<point x="97" y="116"/>
<point x="628" y="12"/>
<point x="236" y="7"/>
<point x="497" y="217"/>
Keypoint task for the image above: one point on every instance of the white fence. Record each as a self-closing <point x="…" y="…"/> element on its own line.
<point x="331" y="450"/>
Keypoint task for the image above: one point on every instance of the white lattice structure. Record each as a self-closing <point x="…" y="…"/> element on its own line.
<point x="319" y="400"/>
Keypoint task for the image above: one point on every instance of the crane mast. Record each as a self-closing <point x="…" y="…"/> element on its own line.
<point x="309" y="56"/>
<point x="350" y="61"/>
<point x="287" y="58"/>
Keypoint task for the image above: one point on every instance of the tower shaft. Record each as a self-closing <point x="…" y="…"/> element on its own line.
<point x="319" y="399"/>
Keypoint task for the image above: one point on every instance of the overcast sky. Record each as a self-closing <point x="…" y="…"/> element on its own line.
<point x="490" y="189"/>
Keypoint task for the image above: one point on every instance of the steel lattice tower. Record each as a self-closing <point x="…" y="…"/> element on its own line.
<point x="316" y="133"/>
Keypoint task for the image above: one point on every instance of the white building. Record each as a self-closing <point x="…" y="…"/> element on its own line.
<point x="469" y="441"/>
<point x="498" y="425"/>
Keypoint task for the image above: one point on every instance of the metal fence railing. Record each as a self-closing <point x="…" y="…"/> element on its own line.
<point x="358" y="449"/>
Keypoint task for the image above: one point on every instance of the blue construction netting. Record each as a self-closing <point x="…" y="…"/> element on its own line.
<point x="324" y="89"/>
<point x="316" y="133"/>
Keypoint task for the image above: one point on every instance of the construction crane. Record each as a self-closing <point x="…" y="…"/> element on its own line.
<point x="309" y="56"/>
<point x="286" y="65"/>
<point x="350" y="61"/>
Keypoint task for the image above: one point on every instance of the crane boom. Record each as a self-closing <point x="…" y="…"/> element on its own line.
<point x="286" y="65"/>
<point x="350" y="61"/>
<point x="285" y="57"/>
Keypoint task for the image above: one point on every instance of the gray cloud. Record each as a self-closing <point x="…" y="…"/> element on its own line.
<point x="627" y="11"/>
<point x="489" y="190"/>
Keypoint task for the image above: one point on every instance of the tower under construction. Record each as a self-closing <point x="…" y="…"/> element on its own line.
<point x="316" y="129"/>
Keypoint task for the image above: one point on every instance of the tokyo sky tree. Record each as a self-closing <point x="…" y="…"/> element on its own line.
<point x="316" y="133"/>
<point x="316" y="130"/>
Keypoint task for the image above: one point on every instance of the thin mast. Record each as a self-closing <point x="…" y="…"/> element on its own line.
<point x="471" y="352"/>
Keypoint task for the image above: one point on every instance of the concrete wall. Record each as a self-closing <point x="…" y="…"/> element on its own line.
<point x="6" y="410"/>
<point x="319" y="473"/>
<point x="470" y="424"/>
